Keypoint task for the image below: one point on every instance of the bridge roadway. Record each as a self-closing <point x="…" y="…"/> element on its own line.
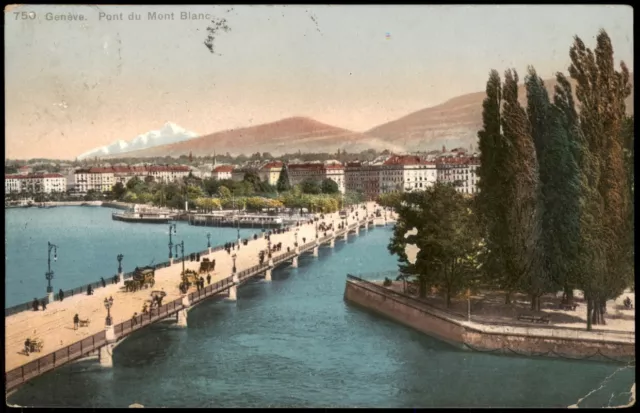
<point x="54" y="326"/>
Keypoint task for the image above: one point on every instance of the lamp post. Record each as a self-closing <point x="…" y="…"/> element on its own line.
<point x="269" y="247"/>
<point x="171" y="226"/>
<point x="208" y="240"/>
<point x="181" y="245"/>
<point x="108" y="303"/>
<point x="49" y="274"/>
<point x="316" y="229"/>
<point x="296" y="235"/>
<point x="120" y="257"/>
<point x="234" y="256"/>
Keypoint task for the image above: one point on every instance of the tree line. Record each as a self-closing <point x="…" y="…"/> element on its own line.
<point x="555" y="204"/>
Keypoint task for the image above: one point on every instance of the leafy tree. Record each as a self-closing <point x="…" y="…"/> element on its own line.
<point x="329" y="186"/>
<point x="252" y="178"/>
<point x="310" y="186"/>
<point x="224" y="192"/>
<point x="133" y="183"/>
<point x="149" y="179"/>
<point x="130" y="197"/>
<point x="447" y="237"/>
<point x="283" y="183"/>
<point x="118" y="190"/>
<point x="602" y="91"/>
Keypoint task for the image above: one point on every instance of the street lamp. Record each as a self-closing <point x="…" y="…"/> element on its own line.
<point x="171" y="226"/>
<point x="181" y="245"/>
<point x="49" y="274"/>
<point x="269" y="246"/>
<point x="120" y="257"/>
<point x="316" y="229"/>
<point x="108" y="303"/>
<point x="296" y="235"/>
<point x="234" y="256"/>
<point x="208" y="240"/>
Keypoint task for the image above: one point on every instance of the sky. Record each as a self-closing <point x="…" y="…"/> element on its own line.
<point x="74" y="85"/>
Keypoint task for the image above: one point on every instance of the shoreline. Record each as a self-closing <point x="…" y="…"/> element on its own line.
<point x="523" y="340"/>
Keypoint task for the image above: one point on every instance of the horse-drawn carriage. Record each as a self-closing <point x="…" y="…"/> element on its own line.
<point x="206" y="265"/>
<point x="142" y="278"/>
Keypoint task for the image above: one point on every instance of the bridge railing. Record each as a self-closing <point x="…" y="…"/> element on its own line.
<point x="57" y="358"/>
<point x="142" y="320"/>
<point x="211" y="289"/>
<point x="26" y="306"/>
<point x="304" y="247"/>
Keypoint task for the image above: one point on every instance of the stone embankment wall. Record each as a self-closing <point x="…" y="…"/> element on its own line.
<point x="460" y="332"/>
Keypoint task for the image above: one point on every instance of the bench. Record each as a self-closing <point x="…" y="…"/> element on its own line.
<point x="568" y="307"/>
<point x="84" y="323"/>
<point x="534" y="319"/>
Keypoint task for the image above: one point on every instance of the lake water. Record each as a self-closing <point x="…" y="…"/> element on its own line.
<point x="293" y="342"/>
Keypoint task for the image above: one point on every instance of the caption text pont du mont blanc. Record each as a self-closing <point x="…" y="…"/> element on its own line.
<point x="122" y="16"/>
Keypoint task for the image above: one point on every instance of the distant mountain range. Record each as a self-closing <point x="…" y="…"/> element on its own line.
<point x="454" y="123"/>
<point x="284" y="136"/>
<point x="169" y="133"/>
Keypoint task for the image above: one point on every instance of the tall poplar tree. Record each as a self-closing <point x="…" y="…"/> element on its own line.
<point x="601" y="91"/>
<point x="283" y="183"/>
<point x="492" y="188"/>
<point x="522" y="196"/>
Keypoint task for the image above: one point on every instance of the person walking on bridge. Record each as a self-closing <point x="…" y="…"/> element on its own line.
<point x="208" y="279"/>
<point x="76" y="321"/>
<point x="35" y="304"/>
<point x="43" y="303"/>
<point x="61" y="295"/>
<point x="104" y="283"/>
<point x="27" y="346"/>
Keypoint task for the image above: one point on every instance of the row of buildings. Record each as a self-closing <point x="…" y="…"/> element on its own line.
<point x="392" y="173"/>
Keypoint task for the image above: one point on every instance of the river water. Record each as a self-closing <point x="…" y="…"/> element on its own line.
<point x="293" y="342"/>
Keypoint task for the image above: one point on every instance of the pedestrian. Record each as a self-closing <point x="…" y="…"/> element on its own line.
<point x="61" y="295"/>
<point x="43" y="304"/>
<point x="134" y="319"/>
<point x="198" y="285"/>
<point x="104" y="283"/>
<point x="115" y="279"/>
<point x="213" y="265"/>
<point x="208" y="279"/>
<point x="35" y="304"/>
<point x="88" y="290"/>
<point x="76" y="321"/>
<point x="27" y="346"/>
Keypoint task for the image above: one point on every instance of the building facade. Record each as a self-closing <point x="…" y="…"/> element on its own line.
<point x="102" y="179"/>
<point x="363" y="178"/>
<point x="270" y="172"/>
<point x="317" y="172"/>
<point x="222" y="172"/>
<point x="35" y="183"/>
<point x="461" y="171"/>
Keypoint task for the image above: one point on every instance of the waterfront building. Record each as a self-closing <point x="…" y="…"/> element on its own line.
<point x="317" y="172"/>
<point x="364" y="178"/>
<point x="270" y="172"/>
<point x="461" y="171"/>
<point x="222" y="172"/>
<point x="35" y="183"/>
<point x="103" y="179"/>
<point x="407" y="173"/>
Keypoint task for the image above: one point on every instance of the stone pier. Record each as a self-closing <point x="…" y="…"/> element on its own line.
<point x="120" y="278"/>
<point x="267" y="273"/>
<point x="106" y="351"/>
<point x="181" y="320"/>
<point x="294" y="262"/>
<point x="315" y="250"/>
<point x="170" y="261"/>
<point x="332" y="244"/>
<point x="346" y="235"/>
<point x="50" y="297"/>
<point x="233" y="290"/>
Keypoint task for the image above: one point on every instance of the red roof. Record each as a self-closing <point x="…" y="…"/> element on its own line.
<point x="223" y="168"/>
<point x="36" y="176"/>
<point x="274" y="164"/>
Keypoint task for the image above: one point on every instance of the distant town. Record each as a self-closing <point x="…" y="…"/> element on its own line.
<point x="369" y="175"/>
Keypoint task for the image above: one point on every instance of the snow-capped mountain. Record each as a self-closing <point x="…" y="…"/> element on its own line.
<point x="169" y="133"/>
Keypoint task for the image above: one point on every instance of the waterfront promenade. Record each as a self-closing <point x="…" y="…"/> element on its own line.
<point x="54" y="326"/>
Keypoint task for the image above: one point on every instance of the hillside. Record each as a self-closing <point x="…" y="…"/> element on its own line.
<point x="453" y="123"/>
<point x="284" y="136"/>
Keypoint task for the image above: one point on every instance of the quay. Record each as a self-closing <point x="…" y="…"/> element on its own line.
<point x="63" y="344"/>
<point x="495" y="337"/>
